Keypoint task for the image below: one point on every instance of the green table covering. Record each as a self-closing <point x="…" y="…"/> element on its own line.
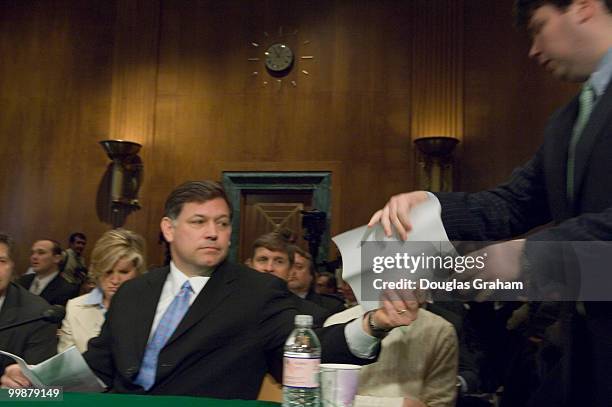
<point x="118" y="400"/>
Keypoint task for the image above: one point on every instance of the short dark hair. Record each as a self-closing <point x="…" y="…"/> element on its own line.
<point x="275" y="242"/>
<point x="288" y="234"/>
<point x="8" y="242"/>
<point x="305" y="254"/>
<point x="193" y="191"/>
<point x="524" y="9"/>
<point x="76" y="235"/>
<point x="56" y="249"/>
<point x="311" y="265"/>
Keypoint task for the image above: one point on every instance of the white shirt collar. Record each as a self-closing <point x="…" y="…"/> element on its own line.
<point x="177" y="278"/>
<point x="44" y="281"/>
<point x="601" y="77"/>
<point x="95" y="297"/>
<point x="301" y="295"/>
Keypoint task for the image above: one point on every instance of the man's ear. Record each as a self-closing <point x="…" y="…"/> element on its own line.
<point x="167" y="228"/>
<point x="584" y="9"/>
<point x="57" y="258"/>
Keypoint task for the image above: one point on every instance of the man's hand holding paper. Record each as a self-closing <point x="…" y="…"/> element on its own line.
<point x="416" y="217"/>
<point x="419" y="215"/>
<point x="14" y="378"/>
<point x="396" y="213"/>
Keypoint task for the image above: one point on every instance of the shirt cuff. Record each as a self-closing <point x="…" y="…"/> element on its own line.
<point x="432" y="196"/>
<point x="359" y="342"/>
<point x="462" y="385"/>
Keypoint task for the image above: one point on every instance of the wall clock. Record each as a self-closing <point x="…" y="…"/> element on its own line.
<point x="280" y="59"/>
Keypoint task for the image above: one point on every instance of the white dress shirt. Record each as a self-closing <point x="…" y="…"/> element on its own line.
<point x="172" y="287"/>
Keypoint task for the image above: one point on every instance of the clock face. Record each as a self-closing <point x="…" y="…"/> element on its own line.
<point x="279" y="57"/>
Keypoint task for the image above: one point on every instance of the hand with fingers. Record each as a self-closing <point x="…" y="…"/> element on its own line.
<point x="396" y="213"/>
<point x="398" y="309"/>
<point x="14" y="378"/>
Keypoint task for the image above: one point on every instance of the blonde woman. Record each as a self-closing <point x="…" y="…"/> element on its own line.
<point x="118" y="256"/>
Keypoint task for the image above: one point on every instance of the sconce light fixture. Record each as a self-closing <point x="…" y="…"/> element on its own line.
<point x="435" y="163"/>
<point x="125" y="177"/>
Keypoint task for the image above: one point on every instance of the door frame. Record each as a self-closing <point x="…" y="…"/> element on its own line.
<point x="236" y="183"/>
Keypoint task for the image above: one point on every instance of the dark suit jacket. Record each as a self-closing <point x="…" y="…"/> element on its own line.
<point x="57" y="292"/>
<point x="319" y="314"/>
<point x="330" y="302"/>
<point x="232" y="334"/>
<point x="536" y="195"/>
<point x="34" y="342"/>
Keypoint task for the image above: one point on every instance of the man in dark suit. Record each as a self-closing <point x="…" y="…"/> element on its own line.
<point x="566" y="182"/>
<point x="203" y="326"/>
<point x="33" y="342"/>
<point x="47" y="280"/>
<point x="301" y="282"/>
<point x="272" y="254"/>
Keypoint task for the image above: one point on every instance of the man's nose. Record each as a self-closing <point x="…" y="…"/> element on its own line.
<point x="211" y="232"/>
<point x="534" y="51"/>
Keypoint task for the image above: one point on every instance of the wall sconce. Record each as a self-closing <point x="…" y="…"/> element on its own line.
<point x="126" y="175"/>
<point x="435" y="163"/>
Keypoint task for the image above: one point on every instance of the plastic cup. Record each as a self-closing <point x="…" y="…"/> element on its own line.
<point x="339" y="384"/>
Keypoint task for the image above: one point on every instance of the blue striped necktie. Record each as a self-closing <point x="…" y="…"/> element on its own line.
<point x="586" y="99"/>
<point x="167" y="325"/>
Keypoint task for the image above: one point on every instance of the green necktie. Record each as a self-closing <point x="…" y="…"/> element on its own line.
<point x="587" y="95"/>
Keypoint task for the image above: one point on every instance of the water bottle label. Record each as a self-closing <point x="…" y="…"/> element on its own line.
<point x="301" y="372"/>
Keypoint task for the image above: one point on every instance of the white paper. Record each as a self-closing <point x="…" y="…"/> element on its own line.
<point x="67" y="369"/>
<point x="426" y="227"/>
<point x="25" y="369"/>
<point x="373" y="401"/>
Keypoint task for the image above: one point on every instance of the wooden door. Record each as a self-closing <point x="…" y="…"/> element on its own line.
<point x="267" y="211"/>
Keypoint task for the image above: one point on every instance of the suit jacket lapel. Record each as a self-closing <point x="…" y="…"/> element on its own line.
<point x="26" y="280"/>
<point x="213" y="293"/>
<point x="51" y="288"/>
<point x="591" y="131"/>
<point x="147" y="305"/>
<point x="558" y="138"/>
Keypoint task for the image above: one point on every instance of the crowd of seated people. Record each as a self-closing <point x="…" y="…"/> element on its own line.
<point x="438" y="361"/>
<point x="160" y="312"/>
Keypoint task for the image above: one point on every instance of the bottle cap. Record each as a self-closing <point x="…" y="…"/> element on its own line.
<point x="303" y="320"/>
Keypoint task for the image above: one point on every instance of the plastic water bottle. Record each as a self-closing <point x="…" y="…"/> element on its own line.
<point x="302" y="357"/>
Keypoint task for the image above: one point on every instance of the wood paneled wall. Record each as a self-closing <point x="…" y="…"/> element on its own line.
<point x="54" y="107"/>
<point x="175" y="75"/>
<point x="437" y="73"/>
<point x="508" y="98"/>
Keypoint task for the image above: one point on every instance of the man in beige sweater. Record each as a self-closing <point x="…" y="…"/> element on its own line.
<point x="417" y="366"/>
